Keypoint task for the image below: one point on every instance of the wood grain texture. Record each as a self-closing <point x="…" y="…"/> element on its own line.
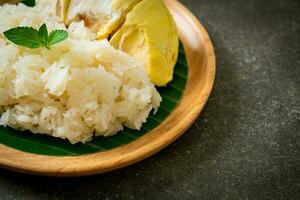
<point x="201" y="61"/>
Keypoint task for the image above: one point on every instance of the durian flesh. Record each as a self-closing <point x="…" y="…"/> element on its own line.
<point x="149" y="34"/>
<point x="102" y="16"/>
<point x="62" y="9"/>
<point x="142" y="28"/>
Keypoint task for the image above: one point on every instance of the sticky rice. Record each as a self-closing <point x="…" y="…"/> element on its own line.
<point x="78" y="88"/>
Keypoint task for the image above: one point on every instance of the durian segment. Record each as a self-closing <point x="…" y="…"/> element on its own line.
<point x="149" y="34"/>
<point x="101" y="16"/>
<point x="61" y="9"/>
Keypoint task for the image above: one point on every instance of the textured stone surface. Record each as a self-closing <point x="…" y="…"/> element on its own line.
<point x="245" y="145"/>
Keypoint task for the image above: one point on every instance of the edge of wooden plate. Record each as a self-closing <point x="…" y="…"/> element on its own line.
<point x="202" y="68"/>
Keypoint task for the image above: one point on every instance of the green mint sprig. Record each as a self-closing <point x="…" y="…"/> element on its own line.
<point x="30" y="3"/>
<point x="33" y="38"/>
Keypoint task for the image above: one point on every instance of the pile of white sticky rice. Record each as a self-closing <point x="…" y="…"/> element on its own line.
<point x="79" y="88"/>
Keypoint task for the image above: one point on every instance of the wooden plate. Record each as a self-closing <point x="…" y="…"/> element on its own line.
<point x="201" y="61"/>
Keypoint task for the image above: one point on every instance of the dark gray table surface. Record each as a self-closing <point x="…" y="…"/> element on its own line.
<point x="245" y="145"/>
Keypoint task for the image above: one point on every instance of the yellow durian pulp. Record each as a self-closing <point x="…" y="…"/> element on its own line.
<point x="149" y="34"/>
<point x="62" y="9"/>
<point x="101" y="16"/>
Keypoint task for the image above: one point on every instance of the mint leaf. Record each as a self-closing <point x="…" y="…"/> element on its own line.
<point x="33" y="38"/>
<point x="56" y="37"/>
<point x="43" y="33"/>
<point x="24" y="36"/>
<point x="30" y="3"/>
